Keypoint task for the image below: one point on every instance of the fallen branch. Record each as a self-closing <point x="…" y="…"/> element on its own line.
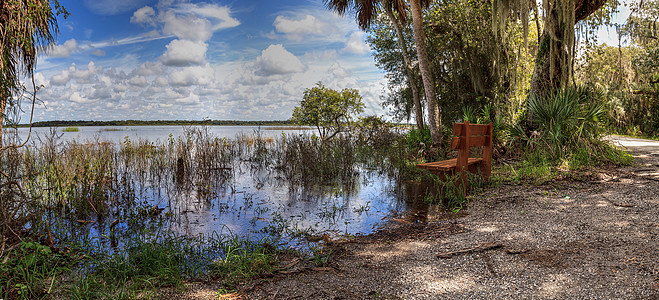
<point x="517" y="251"/>
<point x="479" y="248"/>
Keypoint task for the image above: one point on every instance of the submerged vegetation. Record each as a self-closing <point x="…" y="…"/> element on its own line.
<point x="112" y="220"/>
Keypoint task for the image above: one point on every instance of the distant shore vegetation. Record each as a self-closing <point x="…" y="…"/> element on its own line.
<point x="280" y="125"/>
<point x="158" y="123"/>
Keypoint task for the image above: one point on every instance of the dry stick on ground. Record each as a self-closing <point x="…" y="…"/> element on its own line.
<point x="479" y="248"/>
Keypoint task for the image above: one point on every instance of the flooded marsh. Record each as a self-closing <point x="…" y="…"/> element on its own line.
<point x="192" y="203"/>
<point x="289" y="186"/>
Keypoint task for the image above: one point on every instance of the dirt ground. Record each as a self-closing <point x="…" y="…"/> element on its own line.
<point x="592" y="239"/>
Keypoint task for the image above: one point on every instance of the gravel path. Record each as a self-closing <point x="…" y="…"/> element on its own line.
<point x="595" y="239"/>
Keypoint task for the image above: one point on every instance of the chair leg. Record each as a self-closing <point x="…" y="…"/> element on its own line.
<point x="464" y="181"/>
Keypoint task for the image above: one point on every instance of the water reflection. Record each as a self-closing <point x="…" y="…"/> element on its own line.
<point x="244" y="180"/>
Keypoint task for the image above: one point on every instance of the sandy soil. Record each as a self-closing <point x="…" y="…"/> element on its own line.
<point x="592" y="239"/>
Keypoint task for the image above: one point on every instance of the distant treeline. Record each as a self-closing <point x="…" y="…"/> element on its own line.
<point x="157" y="122"/>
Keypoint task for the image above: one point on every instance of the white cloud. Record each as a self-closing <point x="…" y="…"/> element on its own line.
<point x="241" y="81"/>
<point x="145" y="15"/>
<point x="191" y="99"/>
<point x="276" y="60"/>
<point x="356" y="44"/>
<point x="77" y="98"/>
<point x="84" y="76"/>
<point x="338" y="72"/>
<point x="60" y="79"/>
<point x="101" y="92"/>
<point x="184" y="53"/>
<point x="64" y="50"/>
<point x="220" y="15"/>
<point x="161" y="81"/>
<point x="175" y="93"/>
<point x="150" y="68"/>
<point x="187" y="27"/>
<point x="197" y="75"/>
<point x="138" y="81"/>
<point x="39" y="79"/>
<point x="120" y="88"/>
<point x="297" y="29"/>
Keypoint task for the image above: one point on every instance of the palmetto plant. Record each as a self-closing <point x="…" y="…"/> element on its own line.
<point x="567" y="119"/>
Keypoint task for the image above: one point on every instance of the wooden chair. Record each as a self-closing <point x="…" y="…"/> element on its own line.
<point x="466" y="136"/>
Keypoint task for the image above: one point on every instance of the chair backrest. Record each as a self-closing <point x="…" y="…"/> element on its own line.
<point x="471" y="135"/>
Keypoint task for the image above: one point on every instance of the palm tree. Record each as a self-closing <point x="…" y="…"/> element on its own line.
<point x="409" y="69"/>
<point x="434" y="118"/>
<point x="27" y="28"/>
<point x="366" y="10"/>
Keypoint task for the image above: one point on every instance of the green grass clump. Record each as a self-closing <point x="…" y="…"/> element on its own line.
<point x="243" y="260"/>
<point x="30" y="271"/>
<point x="70" y="129"/>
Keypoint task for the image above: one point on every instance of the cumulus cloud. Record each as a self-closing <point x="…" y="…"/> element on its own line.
<point x="219" y="15"/>
<point x="276" y="60"/>
<point x="356" y="44"/>
<point x="298" y="29"/>
<point x="77" y="98"/>
<point x="184" y="53"/>
<point x="161" y="81"/>
<point x="197" y="75"/>
<point x="191" y="99"/>
<point x="145" y="15"/>
<point x="338" y="72"/>
<point x="264" y="83"/>
<point x="64" y="50"/>
<point x="138" y="81"/>
<point x="60" y="79"/>
<point x="101" y="92"/>
<point x="175" y="93"/>
<point x="84" y="76"/>
<point x="188" y="27"/>
<point x="149" y="68"/>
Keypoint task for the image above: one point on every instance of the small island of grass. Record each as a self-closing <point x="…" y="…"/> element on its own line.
<point x="70" y="129"/>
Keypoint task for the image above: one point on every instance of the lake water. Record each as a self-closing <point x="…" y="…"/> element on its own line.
<point x="118" y="134"/>
<point x="255" y="202"/>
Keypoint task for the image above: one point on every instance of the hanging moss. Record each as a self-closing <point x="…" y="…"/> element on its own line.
<point x="542" y="49"/>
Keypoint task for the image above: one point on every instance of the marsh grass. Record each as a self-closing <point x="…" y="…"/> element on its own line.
<point x="70" y="129"/>
<point x="145" y="264"/>
<point x="88" y="204"/>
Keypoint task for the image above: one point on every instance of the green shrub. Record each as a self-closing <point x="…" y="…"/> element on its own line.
<point x="417" y="136"/>
<point x="568" y="119"/>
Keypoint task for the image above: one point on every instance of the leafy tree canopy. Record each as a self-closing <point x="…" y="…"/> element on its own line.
<point x="328" y="110"/>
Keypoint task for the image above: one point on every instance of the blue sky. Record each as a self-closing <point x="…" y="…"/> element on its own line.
<point x="191" y="60"/>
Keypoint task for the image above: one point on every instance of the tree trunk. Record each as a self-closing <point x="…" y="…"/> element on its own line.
<point x="434" y="118"/>
<point x="409" y="70"/>
<point x="553" y="62"/>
